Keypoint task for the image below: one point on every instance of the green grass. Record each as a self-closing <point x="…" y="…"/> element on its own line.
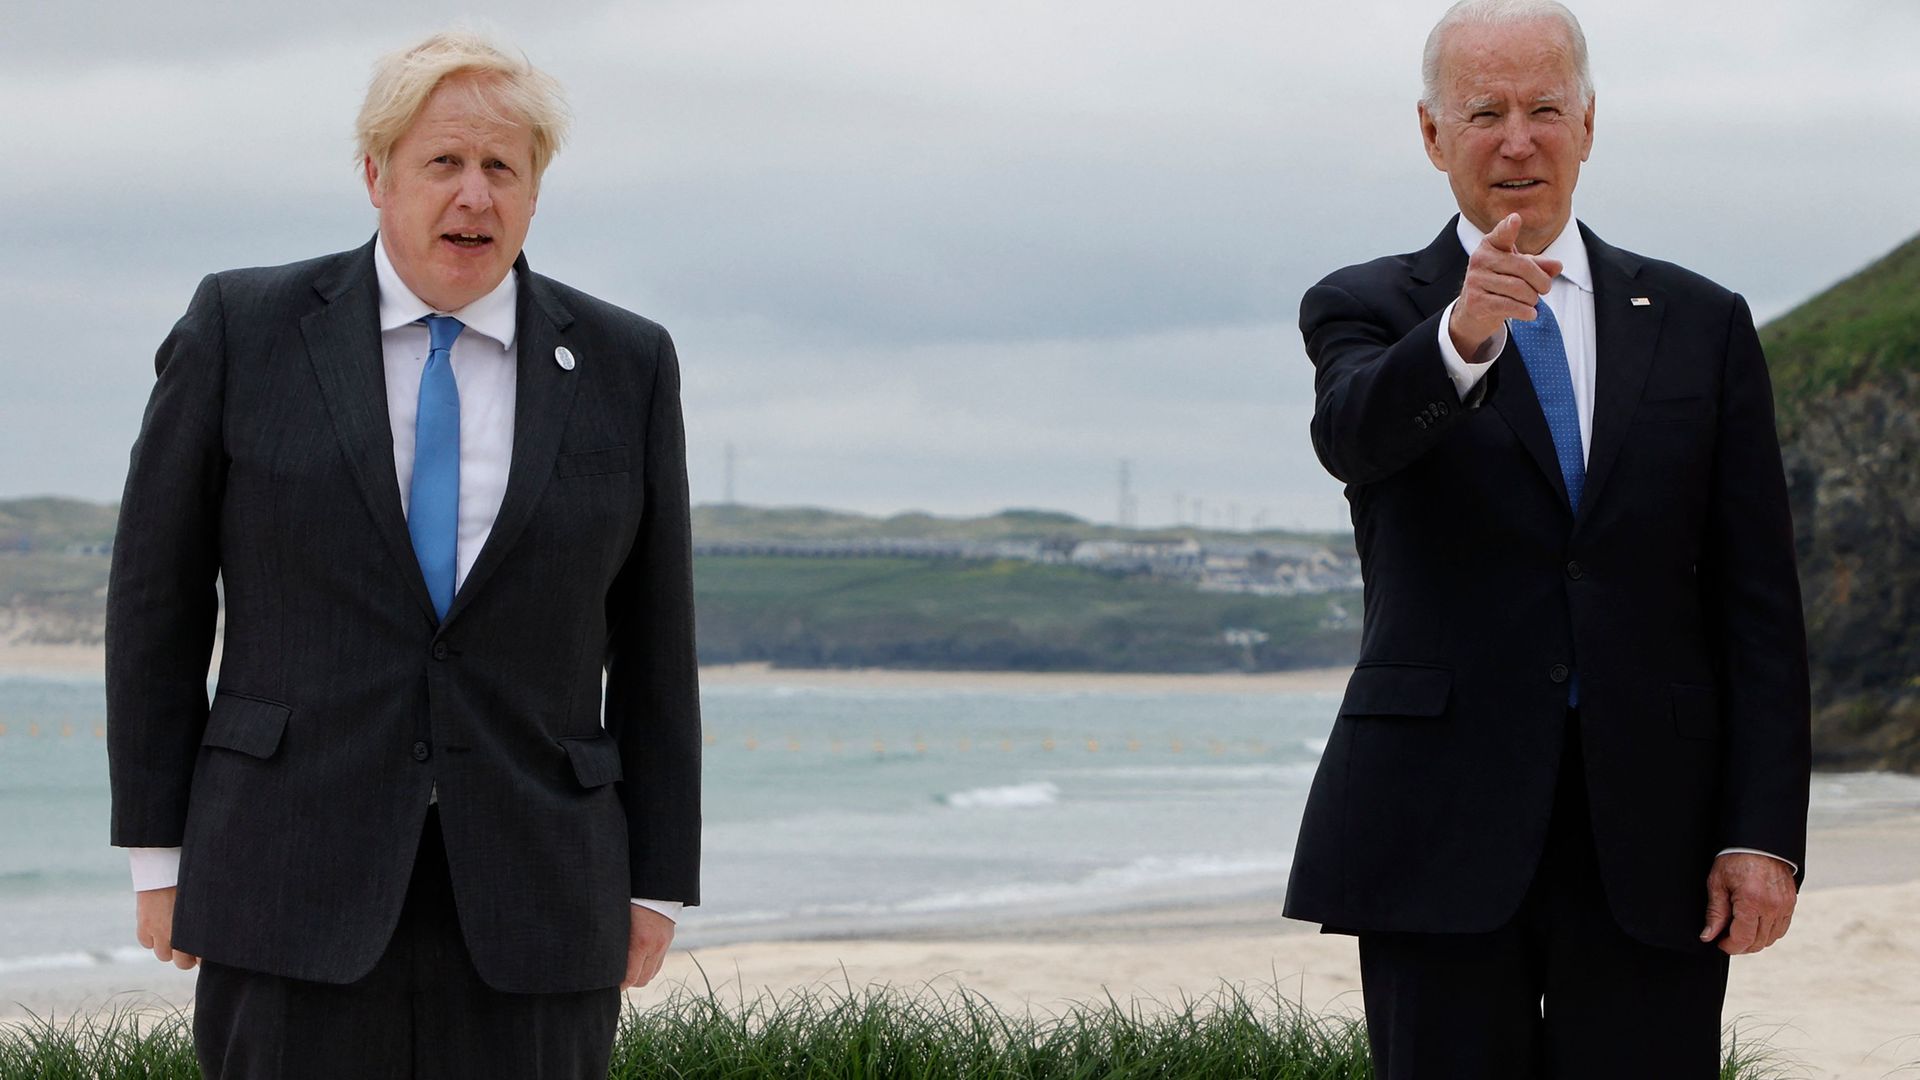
<point x="872" y="1033"/>
<point x="1864" y="328"/>
<point x="734" y="521"/>
<point x="1005" y="615"/>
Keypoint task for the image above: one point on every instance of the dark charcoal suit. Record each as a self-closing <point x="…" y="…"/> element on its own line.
<point x="1671" y="596"/>
<point x="299" y="799"/>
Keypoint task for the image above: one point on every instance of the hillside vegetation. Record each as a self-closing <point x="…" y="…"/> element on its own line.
<point x="836" y="612"/>
<point x="1846" y="369"/>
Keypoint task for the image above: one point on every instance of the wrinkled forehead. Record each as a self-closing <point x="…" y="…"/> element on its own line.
<point x="1530" y="61"/>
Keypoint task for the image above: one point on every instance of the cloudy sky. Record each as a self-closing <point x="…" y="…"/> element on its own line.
<point x="943" y="256"/>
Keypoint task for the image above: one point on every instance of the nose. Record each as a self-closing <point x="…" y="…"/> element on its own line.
<point x="475" y="195"/>
<point x="1516" y="136"/>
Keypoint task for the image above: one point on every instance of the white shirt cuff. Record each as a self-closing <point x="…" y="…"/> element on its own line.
<point x="159" y="868"/>
<point x="670" y="908"/>
<point x="154" y="867"/>
<point x="1466" y="376"/>
<point x="1757" y="851"/>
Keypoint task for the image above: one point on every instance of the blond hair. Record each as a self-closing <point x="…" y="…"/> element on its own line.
<point x="508" y="89"/>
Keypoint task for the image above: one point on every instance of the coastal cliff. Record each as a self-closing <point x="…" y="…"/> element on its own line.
<point x="1846" y="371"/>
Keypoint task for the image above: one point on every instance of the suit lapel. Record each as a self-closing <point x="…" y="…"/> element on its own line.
<point x="343" y="345"/>
<point x="1437" y="274"/>
<point x="543" y="400"/>
<point x="1625" y="336"/>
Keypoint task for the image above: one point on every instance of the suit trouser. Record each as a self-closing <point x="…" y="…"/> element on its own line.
<point x="421" y="1012"/>
<point x="1561" y="991"/>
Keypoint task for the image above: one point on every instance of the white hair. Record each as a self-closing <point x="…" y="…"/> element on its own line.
<point x="1502" y="13"/>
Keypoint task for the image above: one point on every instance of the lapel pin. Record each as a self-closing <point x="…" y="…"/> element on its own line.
<point x="1641" y="301"/>
<point x="564" y="357"/>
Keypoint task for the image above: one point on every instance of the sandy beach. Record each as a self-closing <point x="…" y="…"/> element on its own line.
<point x="67" y="660"/>
<point x="1839" y="997"/>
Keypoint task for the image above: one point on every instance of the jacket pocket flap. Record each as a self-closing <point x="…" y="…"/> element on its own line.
<point x="250" y="725"/>
<point x="613" y="459"/>
<point x="1696" y="712"/>
<point x="1397" y="690"/>
<point x="596" y="759"/>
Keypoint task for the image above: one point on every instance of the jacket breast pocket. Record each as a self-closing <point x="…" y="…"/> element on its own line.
<point x="1397" y="690"/>
<point x="613" y="459"/>
<point x="251" y="725"/>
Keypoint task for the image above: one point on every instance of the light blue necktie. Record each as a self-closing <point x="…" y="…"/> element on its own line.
<point x="433" y="512"/>
<point x="1544" y="352"/>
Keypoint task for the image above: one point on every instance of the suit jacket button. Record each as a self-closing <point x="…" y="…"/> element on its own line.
<point x="1558" y="673"/>
<point x="1574" y="571"/>
<point x="420" y="751"/>
<point x="439" y="650"/>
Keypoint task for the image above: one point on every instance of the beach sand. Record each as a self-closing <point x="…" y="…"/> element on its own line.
<point x="1839" y="996"/>
<point x="69" y="660"/>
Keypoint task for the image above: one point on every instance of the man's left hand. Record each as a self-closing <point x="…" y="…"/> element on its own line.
<point x="647" y="942"/>
<point x="1750" y="898"/>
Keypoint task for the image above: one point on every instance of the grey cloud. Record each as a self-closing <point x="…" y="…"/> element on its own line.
<point x="948" y="256"/>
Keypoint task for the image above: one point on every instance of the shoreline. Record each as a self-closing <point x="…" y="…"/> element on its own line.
<point x="1838" y="998"/>
<point x="18" y="659"/>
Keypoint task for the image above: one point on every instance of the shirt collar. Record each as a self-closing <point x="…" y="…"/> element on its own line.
<point x="1568" y="247"/>
<point x="492" y="314"/>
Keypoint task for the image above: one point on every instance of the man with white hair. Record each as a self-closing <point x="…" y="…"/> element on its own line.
<point x="1569" y="775"/>
<point x="443" y="497"/>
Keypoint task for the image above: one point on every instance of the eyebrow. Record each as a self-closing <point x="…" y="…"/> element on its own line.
<point x="1473" y="105"/>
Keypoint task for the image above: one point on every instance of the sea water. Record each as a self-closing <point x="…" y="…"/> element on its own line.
<point x="829" y="810"/>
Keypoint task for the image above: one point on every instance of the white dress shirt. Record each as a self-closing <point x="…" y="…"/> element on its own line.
<point x="484" y="369"/>
<point x="1571" y="300"/>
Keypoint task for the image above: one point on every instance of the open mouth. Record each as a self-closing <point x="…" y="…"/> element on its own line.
<point x="1517" y="185"/>
<point x="467" y="239"/>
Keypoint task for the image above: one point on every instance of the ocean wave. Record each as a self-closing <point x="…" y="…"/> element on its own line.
<point x="1004" y="797"/>
<point x="1213" y="773"/>
<point x="68" y="961"/>
<point x="1108" y="883"/>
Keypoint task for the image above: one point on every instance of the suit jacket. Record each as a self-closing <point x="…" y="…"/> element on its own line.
<point x="1671" y="593"/>
<point x="265" y="460"/>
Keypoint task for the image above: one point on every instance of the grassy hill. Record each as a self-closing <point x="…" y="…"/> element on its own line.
<point x="1864" y="328"/>
<point x="835" y="612"/>
<point x="733" y="521"/>
<point x="1000" y="615"/>
<point x="1846" y="368"/>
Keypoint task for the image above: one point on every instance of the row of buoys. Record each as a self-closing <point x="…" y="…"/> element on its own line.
<point x="1005" y="746"/>
<point x="66" y="729"/>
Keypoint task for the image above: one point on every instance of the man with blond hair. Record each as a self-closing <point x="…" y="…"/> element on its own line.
<point x="1569" y="775"/>
<point x="443" y="498"/>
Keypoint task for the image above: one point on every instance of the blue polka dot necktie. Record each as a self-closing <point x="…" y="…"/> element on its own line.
<point x="433" y="510"/>
<point x="1545" y="354"/>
